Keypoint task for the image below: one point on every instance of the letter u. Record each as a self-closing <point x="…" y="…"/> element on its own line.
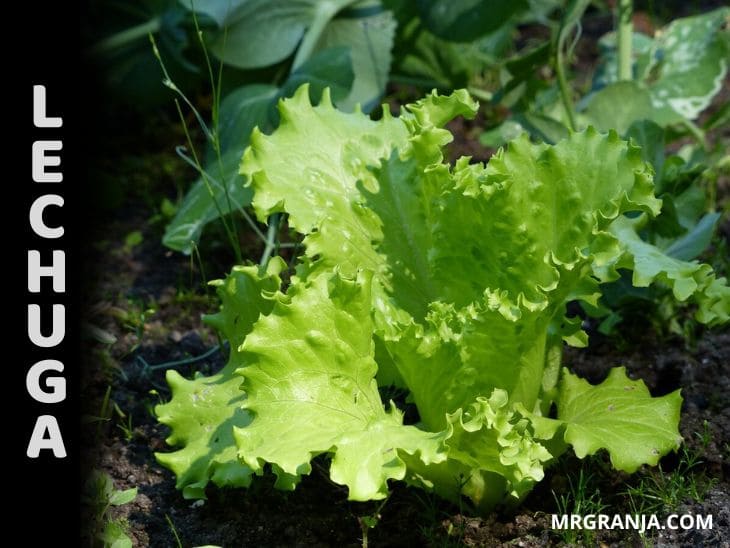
<point x="58" y="331"/>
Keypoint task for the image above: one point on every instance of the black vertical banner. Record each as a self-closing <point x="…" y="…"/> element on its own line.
<point x="42" y="220"/>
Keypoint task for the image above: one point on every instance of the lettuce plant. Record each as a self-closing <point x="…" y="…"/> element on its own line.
<point x="448" y="281"/>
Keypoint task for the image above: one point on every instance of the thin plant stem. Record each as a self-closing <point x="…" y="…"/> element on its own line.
<point x="270" y="240"/>
<point x="104" y="410"/>
<point x="167" y="82"/>
<point x="564" y="88"/>
<point x="571" y="18"/>
<point x="229" y="232"/>
<point x="216" y="85"/>
<point x="182" y="153"/>
<point x="624" y="36"/>
<point x="174" y="531"/>
<point x="214" y="142"/>
<point x="176" y="363"/>
<point x="325" y="12"/>
<point x="196" y="253"/>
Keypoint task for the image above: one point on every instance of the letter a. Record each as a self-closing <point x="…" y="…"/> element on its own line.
<point x="38" y="441"/>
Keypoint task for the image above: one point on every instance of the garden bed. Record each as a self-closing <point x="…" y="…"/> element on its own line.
<point x="149" y="300"/>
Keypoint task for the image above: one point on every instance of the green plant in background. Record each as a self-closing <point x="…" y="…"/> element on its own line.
<point x="650" y="90"/>
<point x="670" y="79"/>
<point x="686" y="183"/>
<point x="448" y="45"/>
<point x="344" y="45"/>
<point x="667" y="82"/>
<point x="98" y="497"/>
<point x="252" y="34"/>
<point x="134" y="318"/>
<point x="450" y="282"/>
<point x="121" y="54"/>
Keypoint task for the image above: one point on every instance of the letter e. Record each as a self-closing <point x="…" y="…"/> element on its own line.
<point x="41" y="161"/>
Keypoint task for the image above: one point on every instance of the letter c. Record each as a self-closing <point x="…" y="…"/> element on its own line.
<point x="36" y="216"/>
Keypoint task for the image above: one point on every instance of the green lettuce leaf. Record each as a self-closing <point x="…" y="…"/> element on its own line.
<point x="687" y="279"/>
<point x="204" y="410"/>
<point x="314" y="183"/>
<point x="492" y="455"/>
<point x="222" y="191"/>
<point x="618" y="415"/>
<point x="314" y="392"/>
<point x="621" y="416"/>
<point x="482" y="291"/>
<point x="490" y="439"/>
